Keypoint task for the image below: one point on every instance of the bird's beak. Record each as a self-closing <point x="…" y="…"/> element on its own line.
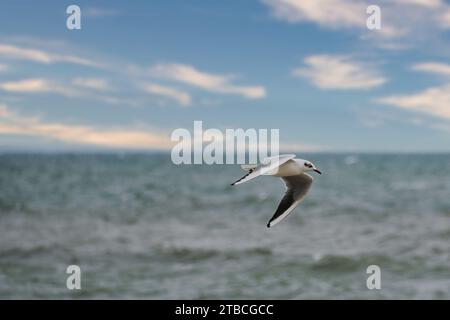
<point x="318" y="171"/>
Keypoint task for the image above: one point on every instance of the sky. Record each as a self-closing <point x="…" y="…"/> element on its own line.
<point x="137" y="70"/>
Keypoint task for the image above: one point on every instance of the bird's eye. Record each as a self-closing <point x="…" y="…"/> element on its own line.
<point x="308" y="165"/>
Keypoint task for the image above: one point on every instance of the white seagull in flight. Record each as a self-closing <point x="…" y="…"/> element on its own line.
<point x="292" y="171"/>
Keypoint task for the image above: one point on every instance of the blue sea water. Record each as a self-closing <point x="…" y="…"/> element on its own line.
<point x="141" y="227"/>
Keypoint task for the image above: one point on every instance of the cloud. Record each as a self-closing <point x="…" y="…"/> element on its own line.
<point x="129" y="138"/>
<point x="210" y="82"/>
<point x="330" y="13"/>
<point x="181" y="97"/>
<point x="38" y="86"/>
<point x="433" y="101"/>
<point x="445" y="18"/>
<point x="417" y="18"/>
<point x="423" y="3"/>
<point x="20" y="53"/>
<point x="75" y="89"/>
<point x="12" y="123"/>
<point x="433" y="67"/>
<point x="92" y="83"/>
<point x="176" y="72"/>
<point x="338" y="72"/>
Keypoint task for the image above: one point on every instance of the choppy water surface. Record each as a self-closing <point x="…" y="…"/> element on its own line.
<point x="141" y="227"/>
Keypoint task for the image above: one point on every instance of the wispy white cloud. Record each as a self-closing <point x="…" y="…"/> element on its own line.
<point x="439" y="10"/>
<point x="418" y="17"/>
<point x="329" y="13"/>
<point x="445" y="18"/>
<point x="210" y="82"/>
<point x="15" y="52"/>
<point x="38" y="86"/>
<point x="92" y="83"/>
<point x="433" y="67"/>
<point x="172" y="71"/>
<point x="423" y="3"/>
<point x="183" y="98"/>
<point x="332" y="14"/>
<point x="433" y="101"/>
<point x="88" y="88"/>
<point x="338" y="72"/>
<point x="129" y="138"/>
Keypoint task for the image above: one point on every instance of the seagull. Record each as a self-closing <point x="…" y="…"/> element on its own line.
<point x="292" y="171"/>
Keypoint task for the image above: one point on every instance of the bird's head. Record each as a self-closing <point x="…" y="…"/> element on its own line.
<point x="309" y="166"/>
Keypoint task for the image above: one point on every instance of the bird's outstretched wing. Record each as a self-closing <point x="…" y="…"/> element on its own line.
<point x="297" y="188"/>
<point x="267" y="165"/>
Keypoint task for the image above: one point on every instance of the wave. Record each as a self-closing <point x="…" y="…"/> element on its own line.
<point x="197" y="254"/>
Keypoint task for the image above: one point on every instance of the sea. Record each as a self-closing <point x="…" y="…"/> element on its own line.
<point x="140" y="227"/>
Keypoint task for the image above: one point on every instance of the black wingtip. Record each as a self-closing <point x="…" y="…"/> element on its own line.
<point x="268" y="225"/>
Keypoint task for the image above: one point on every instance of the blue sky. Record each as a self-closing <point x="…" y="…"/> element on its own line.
<point x="139" y="69"/>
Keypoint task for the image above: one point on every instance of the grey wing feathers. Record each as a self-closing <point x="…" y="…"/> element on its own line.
<point x="297" y="188"/>
<point x="287" y="201"/>
<point x="300" y="184"/>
